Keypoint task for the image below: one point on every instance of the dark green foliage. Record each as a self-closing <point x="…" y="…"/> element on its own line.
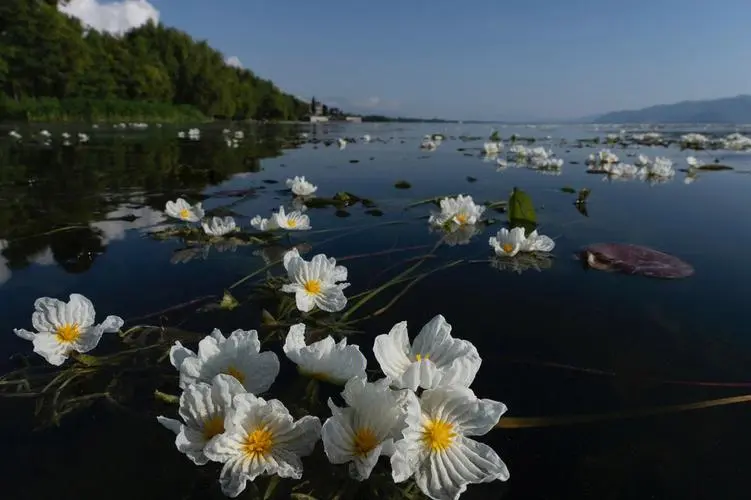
<point x="53" y="69"/>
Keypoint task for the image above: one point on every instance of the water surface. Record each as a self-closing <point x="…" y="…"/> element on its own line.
<point x="78" y="219"/>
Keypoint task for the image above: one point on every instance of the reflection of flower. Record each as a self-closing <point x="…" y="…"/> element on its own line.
<point x="435" y="448"/>
<point x="202" y="408"/>
<point x="238" y="355"/>
<point x="324" y="360"/>
<point x="301" y="187"/>
<point x="315" y="283"/>
<point x="458" y="235"/>
<point x="366" y="428"/>
<point x="65" y="327"/>
<point x="523" y="261"/>
<point x="433" y="359"/>
<point x="276" y="253"/>
<point x="219" y="226"/>
<point x="261" y="437"/>
<point x="185" y="255"/>
<point x="182" y="210"/>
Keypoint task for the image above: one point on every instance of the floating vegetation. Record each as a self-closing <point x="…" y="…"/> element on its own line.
<point x="402" y="185"/>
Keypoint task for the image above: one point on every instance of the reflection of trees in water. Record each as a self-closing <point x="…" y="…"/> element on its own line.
<point x="43" y="189"/>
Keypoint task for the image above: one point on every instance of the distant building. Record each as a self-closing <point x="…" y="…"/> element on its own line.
<point x="354" y="119"/>
<point x="318" y="110"/>
<point x="319" y="119"/>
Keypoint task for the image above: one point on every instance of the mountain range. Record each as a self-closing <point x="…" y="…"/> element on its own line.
<point x="724" y="110"/>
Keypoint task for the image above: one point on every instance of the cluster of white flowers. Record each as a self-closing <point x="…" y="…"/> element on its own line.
<point x="603" y="157"/>
<point x="193" y="134"/>
<point x="431" y="142"/>
<point x="420" y="415"/>
<point x="735" y="141"/>
<point x="694" y="141"/>
<point x="508" y="243"/>
<point x="233" y="139"/>
<point x="301" y="187"/>
<point x="537" y="158"/>
<point x="644" y="168"/>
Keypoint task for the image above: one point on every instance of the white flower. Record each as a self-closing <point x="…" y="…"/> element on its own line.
<point x="219" y="226"/>
<point x="238" y="355"/>
<point x="367" y="428"/>
<point x="203" y="408"/>
<point x="342" y="143"/>
<point x="693" y="162"/>
<point x="662" y="167"/>
<point x="65" y="327"/>
<point x="502" y="164"/>
<point x="458" y="211"/>
<point x="260" y="437"/>
<point x="324" y="360"/>
<point x="182" y="210"/>
<point x="508" y="243"/>
<point x="642" y="161"/>
<point x="366" y="138"/>
<point x="262" y="224"/>
<point x="315" y="283"/>
<point x="428" y="143"/>
<point x="293" y="221"/>
<point x="491" y="148"/>
<point x="301" y="187"/>
<point x="436" y="449"/>
<point x="435" y="357"/>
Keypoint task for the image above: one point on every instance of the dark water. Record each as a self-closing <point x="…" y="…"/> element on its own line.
<point x="77" y="219"/>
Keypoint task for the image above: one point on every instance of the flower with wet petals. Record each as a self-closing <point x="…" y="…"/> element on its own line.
<point x="324" y="360"/>
<point x="507" y="243"/>
<point x="459" y="211"/>
<point x="219" y="226"/>
<point x="301" y="187"/>
<point x="202" y="408"/>
<point x="436" y="449"/>
<point x="315" y="283"/>
<point x="238" y="355"/>
<point x="182" y="210"/>
<point x="292" y="221"/>
<point x="434" y="358"/>
<point x="366" y="428"/>
<point x="261" y="437"/>
<point x="66" y="327"/>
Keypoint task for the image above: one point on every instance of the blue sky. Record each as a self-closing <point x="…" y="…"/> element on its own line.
<point x="483" y="59"/>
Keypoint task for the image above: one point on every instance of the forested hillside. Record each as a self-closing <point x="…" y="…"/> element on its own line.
<point x="51" y="67"/>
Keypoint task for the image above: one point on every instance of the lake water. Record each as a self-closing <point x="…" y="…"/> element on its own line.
<point x="80" y="219"/>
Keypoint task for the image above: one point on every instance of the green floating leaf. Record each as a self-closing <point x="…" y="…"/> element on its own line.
<point x="521" y="211"/>
<point x="714" y="167"/>
<point x="267" y="318"/>
<point x="568" y="189"/>
<point x="583" y="195"/>
<point x="471" y="179"/>
<point x="374" y="212"/>
<point x="402" y="185"/>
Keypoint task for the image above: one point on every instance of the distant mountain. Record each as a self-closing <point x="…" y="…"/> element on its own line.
<point x="725" y="110"/>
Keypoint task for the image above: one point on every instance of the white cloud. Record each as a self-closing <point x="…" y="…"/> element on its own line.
<point x="113" y="230"/>
<point x="112" y="17"/>
<point x="234" y="61"/>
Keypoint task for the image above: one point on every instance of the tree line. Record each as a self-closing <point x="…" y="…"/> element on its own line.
<point x="52" y="67"/>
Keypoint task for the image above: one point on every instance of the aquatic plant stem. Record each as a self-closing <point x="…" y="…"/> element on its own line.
<point x="533" y="422"/>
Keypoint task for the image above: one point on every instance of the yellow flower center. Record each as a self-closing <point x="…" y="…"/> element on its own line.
<point x="313" y="287"/>
<point x="213" y="426"/>
<point x="420" y="357"/>
<point x="234" y="372"/>
<point x="365" y="440"/>
<point x="507" y="247"/>
<point x="67" y="333"/>
<point x="291" y="222"/>
<point x="184" y="213"/>
<point x="258" y="444"/>
<point x="462" y="218"/>
<point x="438" y="435"/>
